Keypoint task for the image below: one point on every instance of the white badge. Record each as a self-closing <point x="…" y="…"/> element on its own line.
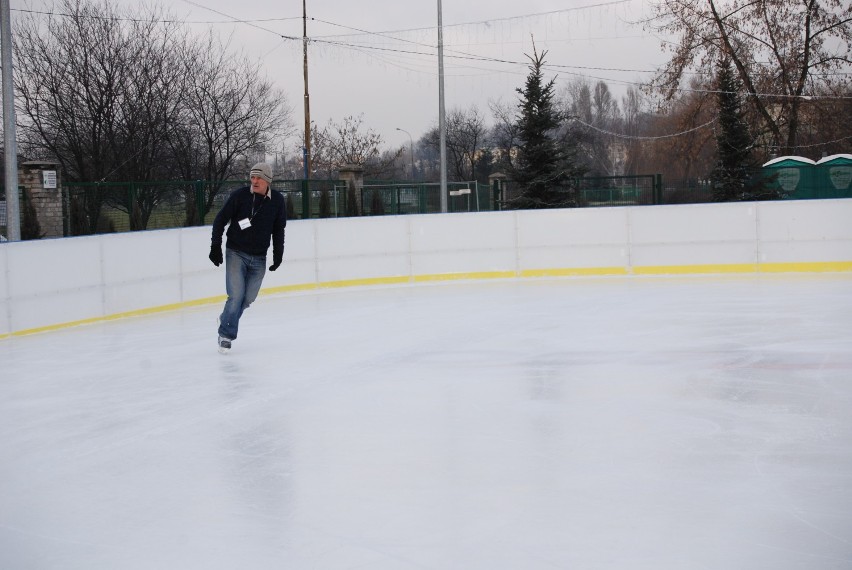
<point x="245" y="223"/>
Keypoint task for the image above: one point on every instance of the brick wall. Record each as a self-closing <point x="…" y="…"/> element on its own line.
<point x="48" y="202"/>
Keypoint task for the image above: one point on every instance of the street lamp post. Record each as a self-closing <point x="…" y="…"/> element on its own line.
<point x="410" y="150"/>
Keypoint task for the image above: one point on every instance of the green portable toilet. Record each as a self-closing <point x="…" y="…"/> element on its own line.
<point x="833" y="176"/>
<point x="793" y="176"/>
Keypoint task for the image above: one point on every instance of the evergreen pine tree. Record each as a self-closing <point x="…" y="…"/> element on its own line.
<point x="544" y="170"/>
<point x="733" y="141"/>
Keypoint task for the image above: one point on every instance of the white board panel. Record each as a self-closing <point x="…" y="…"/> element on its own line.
<point x="448" y="262"/>
<point x="578" y="257"/>
<point x="141" y="255"/>
<point x="141" y="294"/>
<point x="806" y="251"/>
<point x="62" y="306"/>
<point x="362" y="267"/>
<point x="458" y="232"/>
<point x="194" y="247"/>
<point x="299" y="240"/>
<point x="49" y="266"/>
<point x="361" y="236"/>
<point x="805" y="220"/>
<point x="4" y="280"/>
<point x="5" y="325"/>
<point x="693" y="223"/>
<point x="686" y="254"/>
<point x="291" y="272"/>
<point x="202" y="285"/>
<point x="571" y="227"/>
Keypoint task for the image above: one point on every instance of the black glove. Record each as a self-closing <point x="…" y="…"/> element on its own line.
<point x="276" y="261"/>
<point x="216" y="255"/>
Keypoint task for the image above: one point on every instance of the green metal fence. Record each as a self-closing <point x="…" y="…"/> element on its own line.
<point x="26" y="215"/>
<point x="597" y="191"/>
<point x="92" y="207"/>
<point x="98" y="207"/>
<point x="600" y="191"/>
<point x="381" y="198"/>
<point x="128" y="206"/>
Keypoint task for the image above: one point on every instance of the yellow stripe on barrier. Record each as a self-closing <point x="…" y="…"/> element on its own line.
<point x="574" y="272"/>
<point x="465" y="275"/>
<point x="116" y="316"/>
<point x="791" y="267"/>
<point x="809" y="267"/>
<point x="289" y="288"/>
<point x="695" y="269"/>
<point x="365" y="281"/>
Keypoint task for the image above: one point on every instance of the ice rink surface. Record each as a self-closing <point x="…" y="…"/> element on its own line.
<point x="601" y="423"/>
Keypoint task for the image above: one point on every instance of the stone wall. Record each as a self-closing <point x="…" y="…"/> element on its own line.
<point x="48" y="202"/>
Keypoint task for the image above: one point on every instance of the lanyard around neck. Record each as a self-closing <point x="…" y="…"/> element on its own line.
<point x="262" y="200"/>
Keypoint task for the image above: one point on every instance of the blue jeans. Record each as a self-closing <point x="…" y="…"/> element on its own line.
<point x="243" y="276"/>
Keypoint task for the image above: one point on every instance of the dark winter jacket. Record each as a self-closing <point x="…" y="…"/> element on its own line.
<point x="268" y="216"/>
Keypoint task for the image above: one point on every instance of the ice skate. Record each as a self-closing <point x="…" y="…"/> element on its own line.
<point x="224" y="345"/>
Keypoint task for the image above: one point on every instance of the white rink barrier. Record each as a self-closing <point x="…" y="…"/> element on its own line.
<point x="49" y="284"/>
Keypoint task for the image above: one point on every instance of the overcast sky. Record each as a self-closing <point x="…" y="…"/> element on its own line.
<point x="378" y="58"/>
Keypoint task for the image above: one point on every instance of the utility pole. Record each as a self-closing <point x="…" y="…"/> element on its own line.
<point x="306" y="149"/>
<point x="410" y="149"/>
<point x="13" y="210"/>
<point x="442" y="130"/>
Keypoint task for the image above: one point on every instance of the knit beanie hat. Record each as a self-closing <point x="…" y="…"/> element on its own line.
<point x="262" y="170"/>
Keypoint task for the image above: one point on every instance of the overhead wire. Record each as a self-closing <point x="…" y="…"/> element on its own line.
<point x="453" y="54"/>
<point x="163" y="20"/>
<point x="644" y="138"/>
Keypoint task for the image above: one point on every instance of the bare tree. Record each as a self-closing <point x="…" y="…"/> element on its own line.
<point x="339" y="144"/>
<point x="231" y="114"/>
<point x="633" y="123"/>
<point x="828" y="123"/>
<point x="130" y="96"/>
<point x="504" y="135"/>
<point x="467" y="141"/>
<point x="596" y="116"/>
<point x="95" y="93"/>
<point x="682" y="130"/>
<point x="784" y="51"/>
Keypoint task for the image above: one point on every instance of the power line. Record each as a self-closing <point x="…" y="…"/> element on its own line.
<point x="493" y="20"/>
<point x="815" y="144"/>
<point x="143" y="20"/>
<point x="563" y="67"/>
<point x="641" y="138"/>
<point x="455" y="54"/>
<point x="237" y="20"/>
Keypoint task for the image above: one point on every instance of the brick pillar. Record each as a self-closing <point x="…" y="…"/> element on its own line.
<point x="46" y="200"/>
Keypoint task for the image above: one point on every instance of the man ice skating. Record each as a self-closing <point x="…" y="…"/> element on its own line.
<point x="256" y="214"/>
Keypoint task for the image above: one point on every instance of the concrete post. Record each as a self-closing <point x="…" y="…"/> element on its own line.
<point x="353" y="174"/>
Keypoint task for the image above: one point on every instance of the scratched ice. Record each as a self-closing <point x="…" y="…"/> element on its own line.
<point x="624" y="423"/>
